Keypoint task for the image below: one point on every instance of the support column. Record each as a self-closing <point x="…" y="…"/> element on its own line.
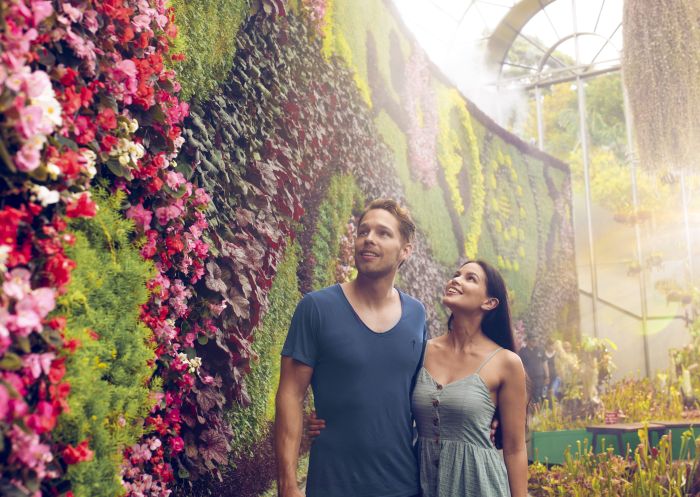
<point x="586" y="178"/>
<point x="632" y="159"/>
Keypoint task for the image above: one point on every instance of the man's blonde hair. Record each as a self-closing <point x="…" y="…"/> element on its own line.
<point x="407" y="227"/>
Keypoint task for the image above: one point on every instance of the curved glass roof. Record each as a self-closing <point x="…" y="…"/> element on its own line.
<point x="516" y="43"/>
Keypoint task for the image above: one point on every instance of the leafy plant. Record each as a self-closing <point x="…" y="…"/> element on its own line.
<point x="110" y="370"/>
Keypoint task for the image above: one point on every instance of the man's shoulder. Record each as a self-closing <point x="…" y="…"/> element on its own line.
<point x="325" y="298"/>
<point x="411" y="301"/>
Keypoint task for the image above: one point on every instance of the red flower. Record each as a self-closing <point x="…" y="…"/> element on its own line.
<point x="58" y="268"/>
<point x="43" y="419"/>
<point x="70" y="101"/>
<point x="108" y="142"/>
<point x="177" y="444"/>
<point x="84" y="130"/>
<point x="81" y="453"/>
<point x="57" y="370"/>
<point x="69" y="163"/>
<point x="57" y="323"/>
<point x="72" y="345"/>
<point x="82" y="207"/>
<point x="107" y="119"/>
<point x="174" y="244"/>
<point x="68" y="76"/>
<point x="9" y="224"/>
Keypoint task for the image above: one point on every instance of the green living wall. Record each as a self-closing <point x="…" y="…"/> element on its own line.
<point x="325" y="104"/>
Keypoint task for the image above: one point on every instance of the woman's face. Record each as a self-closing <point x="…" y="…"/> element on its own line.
<point x="466" y="291"/>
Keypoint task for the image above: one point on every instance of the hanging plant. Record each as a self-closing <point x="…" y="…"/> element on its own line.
<point x="661" y="67"/>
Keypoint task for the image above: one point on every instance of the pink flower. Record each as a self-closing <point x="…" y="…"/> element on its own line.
<point x="201" y="197"/>
<point x="28" y="158"/>
<point x="31" y="120"/>
<point x="125" y="72"/>
<point x="141" y="216"/>
<point x="4" y="403"/>
<point x="84" y="49"/>
<point x="90" y="21"/>
<point x="38" y="85"/>
<point x="41" y="9"/>
<point x="42" y="301"/>
<point x="16" y="284"/>
<point x="177" y="444"/>
<point x="175" y="179"/>
<point x="38" y="363"/>
<point x="5" y="340"/>
<point x="27" y="449"/>
<point x="165" y="214"/>
<point x="141" y="22"/>
<point x="73" y="13"/>
<point x="17" y="41"/>
<point x="44" y="419"/>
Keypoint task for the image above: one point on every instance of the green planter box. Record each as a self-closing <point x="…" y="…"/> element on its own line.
<point x="549" y="446"/>
<point x="676" y="440"/>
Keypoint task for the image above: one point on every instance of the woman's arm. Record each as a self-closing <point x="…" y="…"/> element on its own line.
<point x="512" y="404"/>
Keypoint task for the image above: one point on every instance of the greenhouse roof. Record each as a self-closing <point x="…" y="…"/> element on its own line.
<point x="481" y="43"/>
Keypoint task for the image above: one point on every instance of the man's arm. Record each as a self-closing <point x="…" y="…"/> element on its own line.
<point x="295" y="377"/>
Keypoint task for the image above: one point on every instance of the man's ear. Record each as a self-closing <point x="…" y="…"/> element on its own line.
<point x="490" y="304"/>
<point x="406" y="252"/>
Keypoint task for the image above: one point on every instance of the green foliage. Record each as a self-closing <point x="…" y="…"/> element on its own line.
<point x="648" y="472"/>
<point x="252" y="423"/>
<point x="351" y="26"/>
<point x="108" y="373"/>
<point x="342" y="198"/>
<point x="427" y="206"/>
<point x="207" y="37"/>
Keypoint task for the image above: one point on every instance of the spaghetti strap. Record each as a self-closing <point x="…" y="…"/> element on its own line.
<point x="488" y="359"/>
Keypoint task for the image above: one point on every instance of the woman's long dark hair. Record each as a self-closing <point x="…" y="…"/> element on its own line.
<point x="496" y="323"/>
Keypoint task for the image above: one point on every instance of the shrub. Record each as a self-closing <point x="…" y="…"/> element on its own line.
<point x="110" y="369"/>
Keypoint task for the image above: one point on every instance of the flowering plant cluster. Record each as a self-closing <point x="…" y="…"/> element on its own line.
<point x="420" y="104"/>
<point x="46" y="174"/>
<point x="84" y="91"/>
<point x="316" y="11"/>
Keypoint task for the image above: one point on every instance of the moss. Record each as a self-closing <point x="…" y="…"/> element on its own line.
<point x="427" y="206"/>
<point x="207" y="37"/>
<point x="342" y="198"/>
<point x="351" y="25"/>
<point x="108" y="376"/>
<point x="252" y="423"/>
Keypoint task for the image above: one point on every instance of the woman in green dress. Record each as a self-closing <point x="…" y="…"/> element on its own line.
<point x="467" y="374"/>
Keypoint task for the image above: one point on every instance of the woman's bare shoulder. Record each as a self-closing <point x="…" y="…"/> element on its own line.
<point x="511" y="361"/>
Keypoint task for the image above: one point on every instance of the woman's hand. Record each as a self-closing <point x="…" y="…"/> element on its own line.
<point x="314" y="426"/>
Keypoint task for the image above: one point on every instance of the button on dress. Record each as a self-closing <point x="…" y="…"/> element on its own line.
<point x="456" y="456"/>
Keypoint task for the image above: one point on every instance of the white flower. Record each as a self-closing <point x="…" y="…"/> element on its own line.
<point x="45" y="196"/>
<point x="124" y="160"/>
<point x="53" y="170"/>
<point x="4" y="253"/>
<point x="133" y="125"/>
<point x="90" y="160"/>
<point x="48" y="103"/>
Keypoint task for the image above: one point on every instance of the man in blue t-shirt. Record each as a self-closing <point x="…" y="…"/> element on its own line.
<point x="359" y="346"/>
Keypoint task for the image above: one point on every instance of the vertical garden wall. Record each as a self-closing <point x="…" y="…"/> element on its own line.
<point x="175" y="178"/>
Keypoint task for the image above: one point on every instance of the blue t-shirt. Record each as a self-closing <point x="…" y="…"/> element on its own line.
<point x="362" y="388"/>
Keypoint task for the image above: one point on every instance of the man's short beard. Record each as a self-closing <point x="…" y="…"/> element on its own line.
<point x="378" y="273"/>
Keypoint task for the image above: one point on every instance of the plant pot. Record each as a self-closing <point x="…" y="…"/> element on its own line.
<point x="549" y="446"/>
